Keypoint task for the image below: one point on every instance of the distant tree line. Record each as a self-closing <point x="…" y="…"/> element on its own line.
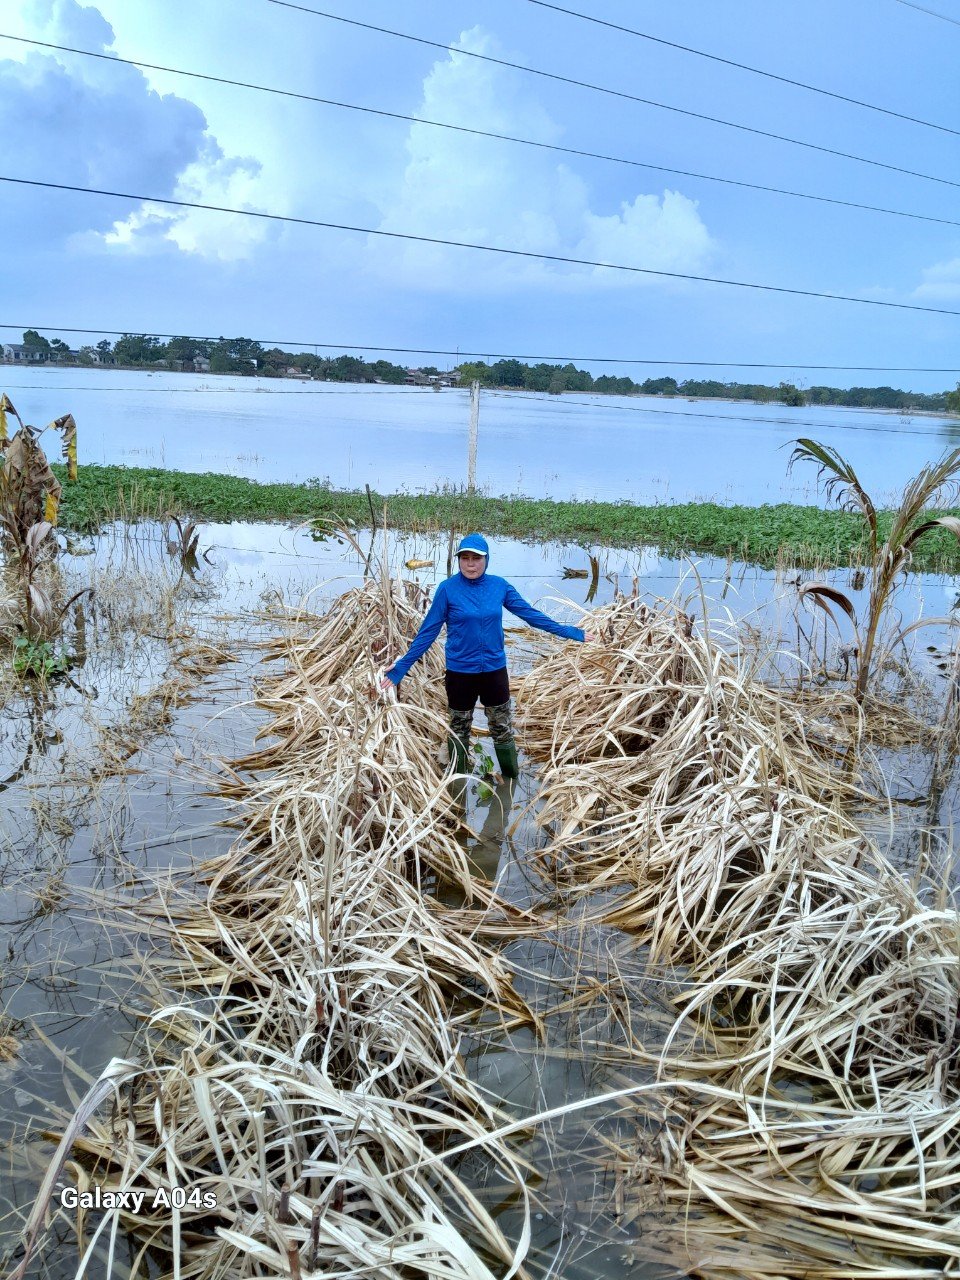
<point x="226" y="355"/>
<point x="559" y="378"/>
<point x="249" y="358"/>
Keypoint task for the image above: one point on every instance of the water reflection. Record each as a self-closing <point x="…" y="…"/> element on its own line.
<point x="484" y="855"/>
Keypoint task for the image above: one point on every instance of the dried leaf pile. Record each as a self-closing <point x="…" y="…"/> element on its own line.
<point x="303" y="1065"/>
<point x="811" y="1091"/>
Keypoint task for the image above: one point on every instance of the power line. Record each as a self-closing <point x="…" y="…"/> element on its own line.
<point x="555" y="400"/>
<point x="221" y="391"/>
<point x="498" y="394"/>
<point x="932" y="12"/>
<point x="478" y="133"/>
<point x="292" y="343"/>
<point x="728" y="417"/>
<point x="742" y="66"/>
<point x="480" y="248"/>
<point x="615" y="93"/>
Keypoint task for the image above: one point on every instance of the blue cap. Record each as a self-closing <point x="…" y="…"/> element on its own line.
<point x="475" y="542"/>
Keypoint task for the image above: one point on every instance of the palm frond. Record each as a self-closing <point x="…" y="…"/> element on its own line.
<point x="822" y="593"/>
<point x="934" y="483"/>
<point x="950" y="523"/>
<point x="944" y="621"/>
<point x="840" y="482"/>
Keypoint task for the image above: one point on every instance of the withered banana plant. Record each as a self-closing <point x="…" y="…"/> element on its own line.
<point x="29" y="505"/>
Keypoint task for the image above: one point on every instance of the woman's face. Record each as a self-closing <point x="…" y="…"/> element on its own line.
<point x="471" y="564"/>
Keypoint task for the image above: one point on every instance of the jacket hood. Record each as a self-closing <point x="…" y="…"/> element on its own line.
<point x="475" y="542"/>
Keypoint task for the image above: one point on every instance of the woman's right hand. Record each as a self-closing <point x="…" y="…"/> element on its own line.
<point x="385" y="684"/>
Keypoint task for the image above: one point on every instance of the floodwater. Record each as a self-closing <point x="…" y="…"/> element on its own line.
<point x="644" y="449"/>
<point x="66" y="981"/>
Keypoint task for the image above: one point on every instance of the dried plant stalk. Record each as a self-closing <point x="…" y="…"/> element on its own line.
<point x="811" y="1107"/>
<point x="303" y="1062"/>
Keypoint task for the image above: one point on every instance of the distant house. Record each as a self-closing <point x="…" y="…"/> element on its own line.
<point x="201" y="364"/>
<point x="17" y="353"/>
<point x="417" y="378"/>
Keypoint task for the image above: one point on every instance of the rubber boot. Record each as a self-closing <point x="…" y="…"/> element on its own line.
<point x="507" y="756"/>
<point x="458" y="753"/>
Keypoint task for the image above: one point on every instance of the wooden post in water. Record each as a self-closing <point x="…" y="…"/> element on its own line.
<point x="472" y="446"/>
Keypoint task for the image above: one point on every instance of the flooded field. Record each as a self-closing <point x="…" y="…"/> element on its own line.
<point x="112" y="780"/>
<point x="644" y="449"/>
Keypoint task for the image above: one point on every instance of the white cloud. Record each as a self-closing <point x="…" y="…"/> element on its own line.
<point x="941" y="282"/>
<point x="664" y="234"/>
<point x="88" y="123"/>
<point x="211" y="180"/>
<point x="460" y="187"/>
<point x="66" y="22"/>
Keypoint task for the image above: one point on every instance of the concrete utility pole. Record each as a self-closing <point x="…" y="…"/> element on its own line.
<point x="472" y="447"/>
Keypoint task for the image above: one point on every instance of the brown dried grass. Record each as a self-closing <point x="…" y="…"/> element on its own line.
<point x="303" y="1061"/>
<point x="810" y="1116"/>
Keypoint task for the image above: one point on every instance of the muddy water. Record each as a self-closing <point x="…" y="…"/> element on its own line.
<point x="65" y="973"/>
<point x="585" y="1223"/>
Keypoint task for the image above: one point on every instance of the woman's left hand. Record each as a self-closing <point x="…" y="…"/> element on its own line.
<point x="589" y="636"/>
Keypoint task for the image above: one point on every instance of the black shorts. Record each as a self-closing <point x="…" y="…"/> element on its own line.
<point x="465" y="687"/>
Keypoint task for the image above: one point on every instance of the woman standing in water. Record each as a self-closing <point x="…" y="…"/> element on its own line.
<point x="471" y="604"/>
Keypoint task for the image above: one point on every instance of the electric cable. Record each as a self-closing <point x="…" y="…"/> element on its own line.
<point x="742" y="66"/>
<point x="557" y="401"/>
<point x="615" y="93"/>
<point x="730" y="417"/>
<point x="378" y="389"/>
<point x="291" y="344"/>
<point x="527" y="254"/>
<point x="932" y="12"/>
<point x="477" y="133"/>
<point x="499" y="394"/>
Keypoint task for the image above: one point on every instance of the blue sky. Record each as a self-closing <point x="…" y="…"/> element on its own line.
<point x="77" y="260"/>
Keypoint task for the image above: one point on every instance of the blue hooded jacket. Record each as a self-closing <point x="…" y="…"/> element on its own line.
<point x="473" y="613"/>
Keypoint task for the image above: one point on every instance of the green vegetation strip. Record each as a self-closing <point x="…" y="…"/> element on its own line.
<point x="805" y="536"/>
